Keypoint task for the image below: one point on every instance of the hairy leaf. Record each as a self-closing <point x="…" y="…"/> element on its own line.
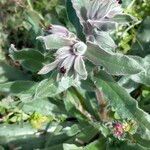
<point x="114" y="63"/>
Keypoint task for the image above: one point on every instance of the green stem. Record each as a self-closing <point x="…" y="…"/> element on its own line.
<point x="30" y="4"/>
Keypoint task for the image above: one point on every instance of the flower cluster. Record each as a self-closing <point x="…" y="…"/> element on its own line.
<point x="120" y="129"/>
<point x="69" y="56"/>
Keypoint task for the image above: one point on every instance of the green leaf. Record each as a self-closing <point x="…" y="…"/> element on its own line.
<point x="126" y="145"/>
<point x="34" y="18"/>
<point x="23" y="89"/>
<point x="81" y="9"/>
<point x="144" y="76"/>
<point x="9" y="73"/>
<point x="1" y="148"/>
<point x="124" y="19"/>
<point x="17" y="87"/>
<point x="71" y="147"/>
<point x="30" y="59"/>
<point x="50" y="88"/>
<point x="12" y="132"/>
<point x="105" y="41"/>
<point x="74" y="18"/>
<point x="142" y="42"/>
<point x="88" y="133"/>
<point x="99" y="144"/>
<point x="114" y="63"/>
<point x="128" y="84"/>
<point x="26" y="53"/>
<point x="74" y="106"/>
<point x="87" y="100"/>
<point x="124" y="104"/>
<point x="44" y="107"/>
<point x="25" y="136"/>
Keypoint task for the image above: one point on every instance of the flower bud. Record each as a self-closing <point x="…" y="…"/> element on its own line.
<point x="118" y="129"/>
<point x="79" y="48"/>
<point x="58" y="30"/>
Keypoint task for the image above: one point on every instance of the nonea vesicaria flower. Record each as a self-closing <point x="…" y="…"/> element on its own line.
<point x="59" y="31"/>
<point x="101" y="11"/>
<point x="68" y="61"/>
<point x="118" y="130"/>
<point x="69" y="55"/>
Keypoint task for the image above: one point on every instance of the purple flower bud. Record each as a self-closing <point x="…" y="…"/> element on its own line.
<point x="58" y="30"/>
<point x="118" y="130"/>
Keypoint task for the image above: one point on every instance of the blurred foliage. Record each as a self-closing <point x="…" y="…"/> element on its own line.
<point x="135" y="38"/>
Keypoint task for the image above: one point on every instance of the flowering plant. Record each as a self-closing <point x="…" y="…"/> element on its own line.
<point x="74" y="87"/>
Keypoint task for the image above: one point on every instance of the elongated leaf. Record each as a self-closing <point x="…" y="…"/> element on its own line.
<point x="71" y="147"/>
<point x="27" y="137"/>
<point x="46" y="88"/>
<point x="80" y="8"/>
<point x="141" y="45"/>
<point x="105" y="41"/>
<point x="127" y="145"/>
<point x="99" y="144"/>
<point x="114" y="63"/>
<point x="23" y="89"/>
<point x="9" y="73"/>
<point x="72" y="15"/>
<point x="17" y="87"/>
<point x="128" y="84"/>
<point x="125" y="105"/>
<point x="50" y="88"/>
<point x="74" y="107"/>
<point x="144" y="76"/>
<point x="30" y="59"/>
<point x="44" y="107"/>
<point x="124" y="19"/>
<point x="25" y="54"/>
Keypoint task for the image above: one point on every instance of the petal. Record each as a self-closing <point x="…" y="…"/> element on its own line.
<point x="49" y="67"/>
<point x="68" y="62"/>
<point x="61" y="51"/>
<point x="116" y="9"/>
<point x="59" y="30"/>
<point x="93" y="9"/>
<point x="79" y="67"/>
<point x="104" y="9"/>
<point x="63" y="56"/>
<point x="103" y="24"/>
<point x="104" y="40"/>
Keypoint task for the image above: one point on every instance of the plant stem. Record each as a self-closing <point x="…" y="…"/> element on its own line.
<point x="30" y="4"/>
<point x="102" y="103"/>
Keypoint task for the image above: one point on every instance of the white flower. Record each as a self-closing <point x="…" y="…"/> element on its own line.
<point x="69" y="61"/>
<point x="101" y="12"/>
